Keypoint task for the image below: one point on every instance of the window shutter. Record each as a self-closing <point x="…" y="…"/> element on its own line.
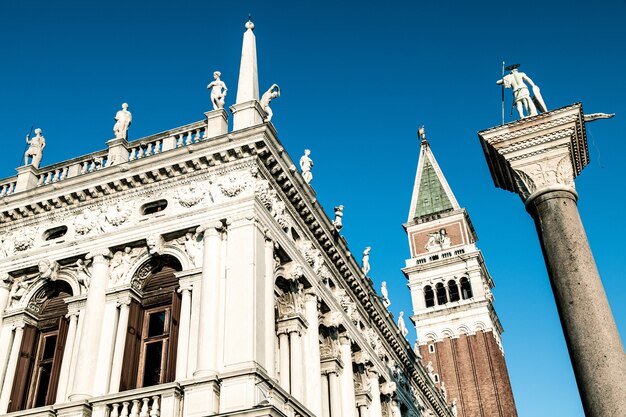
<point x="58" y="360"/>
<point x="132" y="345"/>
<point x="173" y="340"/>
<point x="24" y="368"/>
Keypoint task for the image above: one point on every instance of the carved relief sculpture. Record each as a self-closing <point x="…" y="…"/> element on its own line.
<point x="437" y="241"/>
<point x="190" y="195"/>
<point x="87" y="222"/>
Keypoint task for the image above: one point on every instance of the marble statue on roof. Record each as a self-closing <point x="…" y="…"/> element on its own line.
<point x="271" y="93"/>
<point x="123" y="119"/>
<point x="306" y="164"/>
<point x="35" y="148"/>
<point x="218" y="91"/>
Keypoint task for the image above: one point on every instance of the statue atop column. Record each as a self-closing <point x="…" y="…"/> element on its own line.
<point x="306" y="164"/>
<point x="218" y="91"/>
<point x="123" y="120"/>
<point x="521" y="95"/>
<point x="271" y="93"/>
<point x="35" y="149"/>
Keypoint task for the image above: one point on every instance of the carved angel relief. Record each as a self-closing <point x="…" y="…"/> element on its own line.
<point x="121" y="263"/>
<point x="193" y="245"/>
<point x="87" y="222"/>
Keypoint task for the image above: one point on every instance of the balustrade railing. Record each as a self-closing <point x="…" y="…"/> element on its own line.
<point x="7" y="187"/>
<point x="164" y="141"/>
<point x="156" y="401"/>
<point x="78" y="166"/>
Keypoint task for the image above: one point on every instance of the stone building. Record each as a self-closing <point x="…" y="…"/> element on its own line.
<point x="458" y="331"/>
<point x="192" y="273"/>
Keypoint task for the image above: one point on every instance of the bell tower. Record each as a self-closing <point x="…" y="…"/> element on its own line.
<point x="458" y="331"/>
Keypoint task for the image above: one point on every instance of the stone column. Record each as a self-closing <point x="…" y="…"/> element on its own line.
<point x="539" y="157"/>
<point x="376" y="408"/>
<point x="270" y="324"/>
<point x="75" y="348"/>
<point x="183" y="334"/>
<point x="7" y="386"/>
<point x="67" y="358"/>
<point x="297" y="365"/>
<point x="6" y="341"/>
<point x="5" y="288"/>
<point x="83" y="383"/>
<point x="283" y="349"/>
<point x="209" y="301"/>
<point x="110" y="328"/>
<point x="325" y="395"/>
<point x="120" y="344"/>
<point x="348" y="399"/>
<point x="313" y="392"/>
<point x="334" y="387"/>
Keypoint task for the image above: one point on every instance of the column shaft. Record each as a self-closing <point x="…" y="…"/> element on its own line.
<point x="106" y="349"/>
<point x="312" y="356"/>
<point x="283" y="340"/>
<point x="120" y="343"/>
<point x="209" y="303"/>
<point x="67" y="359"/>
<point x="89" y="342"/>
<point x="7" y="386"/>
<point x="376" y="408"/>
<point x="192" y="359"/>
<point x="334" y="387"/>
<point x="348" y="399"/>
<point x="183" y="335"/>
<point x="6" y="341"/>
<point x="296" y="366"/>
<point x="325" y="396"/>
<point x="592" y="338"/>
<point x="270" y="324"/>
<point x="4" y="299"/>
<point x="74" y="358"/>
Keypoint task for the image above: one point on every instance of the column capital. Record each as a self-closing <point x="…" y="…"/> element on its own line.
<point x="213" y="228"/>
<point x="100" y="256"/>
<point x="344" y="340"/>
<point x="538" y="154"/>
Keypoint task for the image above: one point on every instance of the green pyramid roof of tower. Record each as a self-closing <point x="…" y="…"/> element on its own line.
<point x="432" y="197"/>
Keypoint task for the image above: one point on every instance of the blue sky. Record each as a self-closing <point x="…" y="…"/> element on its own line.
<point x="356" y="78"/>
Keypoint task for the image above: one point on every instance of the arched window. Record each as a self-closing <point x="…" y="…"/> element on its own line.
<point x="150" y="351"/>
<point x="453" y="290"/>
<point x="466" y="288"/>
<point x="442" y="297"/>
<point x="41" y="351"/>
<point x="429" y="296"/>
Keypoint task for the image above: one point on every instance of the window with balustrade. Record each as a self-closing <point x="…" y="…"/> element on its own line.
<point x="41" y="351"/>
<point x="152" y="335"/>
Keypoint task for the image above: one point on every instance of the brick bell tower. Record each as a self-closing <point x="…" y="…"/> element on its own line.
<point x="457" y="327"/>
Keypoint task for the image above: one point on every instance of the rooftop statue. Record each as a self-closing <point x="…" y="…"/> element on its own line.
<point x="218" y="91"/>
<point x="35" y="150"/>
<point x="385" y="294"/>
<point x="365" y="263"/>
<point x="521" y="96"/>
<point x="402" y="325"/>
<point x="123" y="120"/>
<point x="306" y="164"/>
<point x="267" y="97"/>
<point x="338" y="221"/>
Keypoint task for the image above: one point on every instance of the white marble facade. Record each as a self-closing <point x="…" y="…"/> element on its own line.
<point x="218" y="263"/>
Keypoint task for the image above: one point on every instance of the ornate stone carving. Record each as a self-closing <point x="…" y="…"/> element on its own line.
<point x="23" y="240"/>
<point x="155" y="244"/>
<point x="437" y="241"/>
<point x="20" y="287"/>
<point x="430" y="370"/>
<point x="145" y="271"/>
<point x="48" y="269"/>
<point x="191" y="194"/>
<point x="388" y="388"/>
<point x="347" y="304"/>
<point x="87" y="222"/>
<point x="290" y="304"/>
<point x="193" y="246"/>
<point x="6" y="245"/>
<point x="235" y="183"/>
<point x="121" y="263"/>
<point x="542" y="174"/>
<point x="279" y="211"/>
<point x="262" y="192"/>
<point x="116" y="215"/>
<point x="83" y="273"/>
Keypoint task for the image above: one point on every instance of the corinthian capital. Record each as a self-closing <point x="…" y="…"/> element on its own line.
<point x="213" y="228"/>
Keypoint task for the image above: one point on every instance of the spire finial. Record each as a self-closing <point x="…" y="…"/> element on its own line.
<point x="421" y="134"/>
<point x="249" y="24"/>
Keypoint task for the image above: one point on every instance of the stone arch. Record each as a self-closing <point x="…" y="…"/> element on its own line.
<point x="479" y="325"/>
<point x="170" y="250"/>
<point x="463" y="329"/>
<point x="447" y="333"/>
<point x="36" y="287"/>
<point x="147" y="264"/>
<point x="431" y="337"/>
